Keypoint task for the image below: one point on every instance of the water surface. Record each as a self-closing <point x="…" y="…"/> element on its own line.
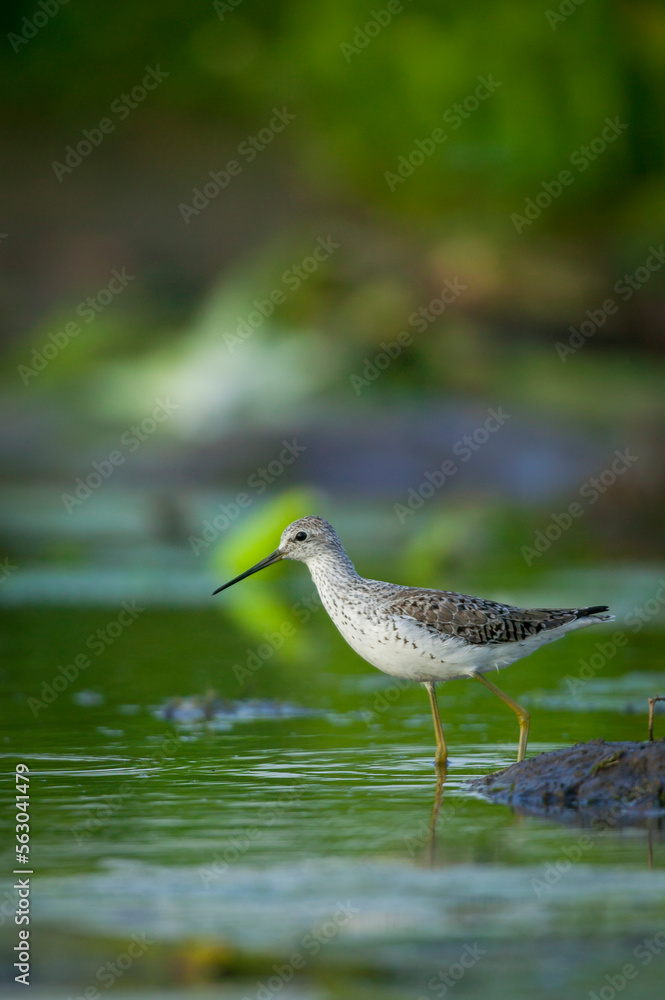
<point x="298" y="819"/>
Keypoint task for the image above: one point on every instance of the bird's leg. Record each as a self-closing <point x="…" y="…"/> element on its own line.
<point x="441" y="750"/>
<point x="521" y="713"/>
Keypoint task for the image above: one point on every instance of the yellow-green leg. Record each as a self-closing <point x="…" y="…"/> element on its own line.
<point x="441" y="749"/>
<point x="521" y="713"/>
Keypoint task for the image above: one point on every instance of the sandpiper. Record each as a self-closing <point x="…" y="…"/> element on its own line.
<point x="420" y="634"/>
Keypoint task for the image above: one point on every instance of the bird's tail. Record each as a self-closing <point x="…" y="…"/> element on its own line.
<point x="595" y="612"/>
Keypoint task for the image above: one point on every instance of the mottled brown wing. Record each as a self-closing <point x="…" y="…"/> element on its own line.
<point x="473" y="619"/>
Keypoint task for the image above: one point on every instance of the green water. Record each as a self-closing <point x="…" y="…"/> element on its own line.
<point x="298" y="821"/>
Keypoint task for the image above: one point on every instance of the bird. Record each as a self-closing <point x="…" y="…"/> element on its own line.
<point x="420" y="634"/>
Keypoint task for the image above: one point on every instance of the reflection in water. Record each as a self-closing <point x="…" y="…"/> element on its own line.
<point x="441" y="775"/>
<point x="655" y="831"/>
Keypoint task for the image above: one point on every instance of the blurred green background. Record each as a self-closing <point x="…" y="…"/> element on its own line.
<point x="398" y="265"/>
<point x="223" y="310"/>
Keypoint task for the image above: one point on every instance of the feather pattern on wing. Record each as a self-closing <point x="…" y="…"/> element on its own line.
<point x="476" y="620"/>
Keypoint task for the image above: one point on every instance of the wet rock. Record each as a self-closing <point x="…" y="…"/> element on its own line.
<point x="618" y="783"/>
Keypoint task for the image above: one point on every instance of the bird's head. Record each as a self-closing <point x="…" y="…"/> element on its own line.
<point x="303" y="540"/>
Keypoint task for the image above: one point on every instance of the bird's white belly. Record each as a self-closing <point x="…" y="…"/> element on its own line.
<point x="405" y="648"/>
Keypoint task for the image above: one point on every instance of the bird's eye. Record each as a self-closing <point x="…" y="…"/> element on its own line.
<point x="301" y="536"/>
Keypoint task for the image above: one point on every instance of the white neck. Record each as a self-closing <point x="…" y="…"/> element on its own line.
<point x="332" y="570"/>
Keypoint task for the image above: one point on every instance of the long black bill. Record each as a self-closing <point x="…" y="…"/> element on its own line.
<point x="268" y="561"/>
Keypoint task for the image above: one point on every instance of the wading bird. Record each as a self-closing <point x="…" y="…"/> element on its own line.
<point x="419" y="634"/>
